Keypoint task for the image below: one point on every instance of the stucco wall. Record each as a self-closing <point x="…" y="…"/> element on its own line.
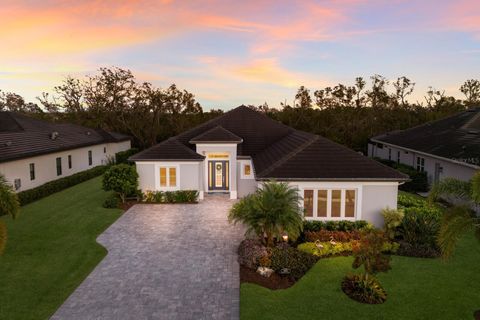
<point x="189" y="176"/>
<point x="46" y="167"/>
<point x="146" y="176"/>
<point x="450" y="169"/>
<point x="245" y="185"/>
<point x="376" y="198"/>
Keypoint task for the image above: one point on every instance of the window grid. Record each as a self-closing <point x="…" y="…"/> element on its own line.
<point x="32" y="171"/>
<point x="420" y="164"/>
<point x="59" y="166"/>
<point x="90" y="158"/>
<point x="324" y="208"/>
<point x="69" y="161"/>
<point x="168" y="177"/>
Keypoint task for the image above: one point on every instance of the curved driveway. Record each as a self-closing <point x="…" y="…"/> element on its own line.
<point x="164" y="262"/>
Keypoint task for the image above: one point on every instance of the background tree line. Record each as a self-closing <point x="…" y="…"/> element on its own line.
<point x="114" y="100"/>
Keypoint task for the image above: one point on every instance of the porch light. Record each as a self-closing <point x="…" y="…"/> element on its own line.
<point x="285" y="237"/>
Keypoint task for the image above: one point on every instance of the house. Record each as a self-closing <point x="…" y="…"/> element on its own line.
<point x="235" y="152"/>
<point x="33" y="152"/>
<point x="449" y="147"/>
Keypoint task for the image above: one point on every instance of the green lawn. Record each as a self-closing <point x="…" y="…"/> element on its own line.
<point x="417" y="289"/>
<point x="51" y="248"/>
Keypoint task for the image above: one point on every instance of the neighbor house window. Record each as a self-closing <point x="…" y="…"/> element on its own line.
<point x="168" y="177"/>
<point x="59" y="166"/>
<point x="389" y="154"/>
<point x="308" y="203"/>
<point x="32" y="171"/>
<point x="17" y="183"/>
<point x="69" y="161"/>
<point x="333" y="203"/>
<point x="398" y="156"/>
<point x="104" y="149"/>
<point x="420" y="164"/>
<point x="90" y="160"/>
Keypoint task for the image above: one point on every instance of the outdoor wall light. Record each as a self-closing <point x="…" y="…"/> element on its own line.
<point x="285" y="237"/>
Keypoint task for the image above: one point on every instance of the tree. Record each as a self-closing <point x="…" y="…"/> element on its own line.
<point x="368" y="252"/>
<point x="471" y="90"/>
<point x="9" y="206"/>
<point x="303" y="99"/>
<point x="271" y="211"/>
<point x="403" y="88"/>
<point x="460" y="218"/>
<point x="121" y="178"/>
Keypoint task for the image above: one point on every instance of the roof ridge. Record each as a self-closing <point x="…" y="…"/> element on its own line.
<point x="289" y="155"/>
<point x="467" y="124"/>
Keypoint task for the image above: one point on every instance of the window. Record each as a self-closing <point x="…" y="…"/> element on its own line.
<point x="322" y="199"/>
<point x="17" y="183"/>
<point x="69" y="161"/>
<point x="308" y="203"/>
<point x="90" y="160"/>
<point x="32" y="171"/>
<point x="336" y="203"/>
<point x="168" y="177"/>
<point x="420" y="164"/>
<point x="247" y="169"/>
<point x="330" y="204"/>
<point x="398" y="156"/>
<point x="349" y="203"/>
<point x="389" y="154"/>
<point x="59" y="166"/>
<point x="104" y="149"/>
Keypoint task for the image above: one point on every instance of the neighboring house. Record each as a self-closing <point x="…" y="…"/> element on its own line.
<point x="448" y="147"/>
<point x="235" y="152"/>
<point x="33" y="152"/>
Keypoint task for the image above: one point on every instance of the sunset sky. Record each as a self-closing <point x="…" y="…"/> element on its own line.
<point x="240" y="52"/>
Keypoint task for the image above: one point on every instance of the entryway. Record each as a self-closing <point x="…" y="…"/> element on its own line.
<point x="218" y="179"/>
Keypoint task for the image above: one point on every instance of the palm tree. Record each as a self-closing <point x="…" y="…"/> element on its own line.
<point x="9" y="205"/>
<point x="274" y="209"/>
<point x="457" y="219"/>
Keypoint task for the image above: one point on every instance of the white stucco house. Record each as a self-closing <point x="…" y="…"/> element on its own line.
<point x="449" y="147"/>
<point x="33" y="152"/>
<point x="235" y="152"/>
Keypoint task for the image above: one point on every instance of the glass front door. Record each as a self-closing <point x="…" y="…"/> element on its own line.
<point x="218" y="175"/>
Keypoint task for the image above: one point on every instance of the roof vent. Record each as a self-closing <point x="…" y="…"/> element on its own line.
<point x="88" y="133"/>
<point x="473" y="131"/>
<point x="8" y="143"/>
<point x="54" y="135"/>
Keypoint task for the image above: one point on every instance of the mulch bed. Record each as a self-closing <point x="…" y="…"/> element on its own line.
<point x="274" y="282"/>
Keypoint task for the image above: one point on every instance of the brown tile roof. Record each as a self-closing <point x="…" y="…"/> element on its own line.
<point x="22" y="136"/>
<point x="278" y="151"/>
<point x="217" y="134"/>
<point x="456" y="137"/>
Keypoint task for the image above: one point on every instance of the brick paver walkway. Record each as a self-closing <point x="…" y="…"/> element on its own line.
<point x="164" y="262"/>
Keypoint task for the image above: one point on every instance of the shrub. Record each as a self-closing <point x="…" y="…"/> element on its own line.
<point x="342" y="225"/>
<point x="250" y="252"/>
<point x="368" y="252"/>
<point x="325" y="235"/>
<point x="364" y="289"/>
<point x="111" y="201"/>
<point x="296" y="261"/>
<point x="418" y="180"/>
<point x="406" y="200"/>
<point x="31" y="195"/>
<point x="326" y="248"/>
<point x="179" y="196"/>
<point x="121" y="178"/>
<point x="122" y="156"/>
<point x="420" y="226"/>
<point x="392" y="220"/>
<point x="417" y="250"/>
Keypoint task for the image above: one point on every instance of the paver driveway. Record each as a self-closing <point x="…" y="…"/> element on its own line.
<point x="164" y="262"/>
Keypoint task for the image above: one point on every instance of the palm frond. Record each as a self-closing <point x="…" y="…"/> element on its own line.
<point x="456" y="221"/>
<point x="451" y="187"/>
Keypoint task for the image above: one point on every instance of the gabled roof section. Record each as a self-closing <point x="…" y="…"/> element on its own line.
<point x="22" y="136"/>
<point x="168" y="150"/>
<point x="321" y="159"/>
<point x="456" y="137"/>
<point x="217" y="134"/>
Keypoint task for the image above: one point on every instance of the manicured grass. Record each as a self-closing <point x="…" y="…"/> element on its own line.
<point x="417" y="289"/>
<point x="51" y="248"/>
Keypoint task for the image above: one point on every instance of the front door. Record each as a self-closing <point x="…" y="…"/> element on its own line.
<point x="218" y="175"/>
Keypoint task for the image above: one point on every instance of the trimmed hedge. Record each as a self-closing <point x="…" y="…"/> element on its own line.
<point x="31" y="195"/>
<point x="179" y="196"/>
<point x="419" y="180"/>
<point x="122" y="156"/>
<point x="342" y="225"/>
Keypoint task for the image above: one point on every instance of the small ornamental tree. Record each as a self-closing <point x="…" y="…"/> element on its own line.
<point x="122" y="178"/>
<point x="9" y="206"/>
<point x="368" y="253"/>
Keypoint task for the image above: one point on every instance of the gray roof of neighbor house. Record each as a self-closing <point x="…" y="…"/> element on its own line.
<point x="456" y="137"/>
<point x="22" y="136"/>
<point x="277" y="151"/>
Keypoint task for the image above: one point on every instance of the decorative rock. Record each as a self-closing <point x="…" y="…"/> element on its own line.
<point x="265" y="272"/>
